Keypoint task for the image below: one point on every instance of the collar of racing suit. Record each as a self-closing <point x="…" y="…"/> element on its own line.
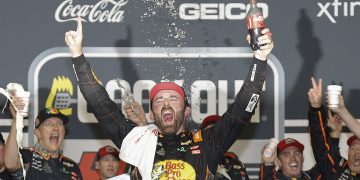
<point x="173" y="146"/>
<point x="38" y="148"/>
<point x="303" y="176"/>
<point x="348" y="174"/>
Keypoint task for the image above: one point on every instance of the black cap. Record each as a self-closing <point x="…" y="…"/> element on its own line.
<point x="47" y="113"/>
<point x="2" y="141"/>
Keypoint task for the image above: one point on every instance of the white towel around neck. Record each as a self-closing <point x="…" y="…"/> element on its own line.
<point x="138" y="149"/>
<point x="120" y="177"/>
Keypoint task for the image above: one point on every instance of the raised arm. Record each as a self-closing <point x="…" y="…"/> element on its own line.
<point x="347" y="117"/>
<point x="110" y="117"/>
<point x="240" y="112"/>
<point x="12" y="159"/>
<point x="326" y="154"/>
<point x="267" y="167"/>
<point x="225" y="132"/>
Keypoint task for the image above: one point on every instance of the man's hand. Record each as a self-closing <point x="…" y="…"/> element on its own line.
<point x="266" y="44"/>
<point x="268" y="160"/>
<point x="135" y="113"/>
<point x="341" y="107"/>
<point x="334" y="122"/>
<point x="17" y="102"/>
<point x="315" y="93"/>
<point x="74" y="40"/>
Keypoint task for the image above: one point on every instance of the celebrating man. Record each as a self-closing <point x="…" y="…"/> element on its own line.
<point x="165" y="149"/>
<point x="45" y="159"/>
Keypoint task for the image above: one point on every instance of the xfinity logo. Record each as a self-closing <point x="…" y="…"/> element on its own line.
<point x="217" y="11"/>
<point x="336" y="8"/>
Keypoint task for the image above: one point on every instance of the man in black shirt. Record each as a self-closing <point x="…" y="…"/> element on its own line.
<point x="289" y="154"/>
<point x="44" y="160"/>
<point x="327" y="156"/>
<point x="171" y="151"/>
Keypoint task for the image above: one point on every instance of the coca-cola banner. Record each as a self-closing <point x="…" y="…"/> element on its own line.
<point x="198" y="44"/>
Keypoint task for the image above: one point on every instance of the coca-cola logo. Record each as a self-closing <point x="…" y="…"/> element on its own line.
<point x="109" y="11"/>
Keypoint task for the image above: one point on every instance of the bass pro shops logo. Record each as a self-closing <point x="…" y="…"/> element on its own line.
<point x="173" y="169"/>
<point x="60" y="95"/>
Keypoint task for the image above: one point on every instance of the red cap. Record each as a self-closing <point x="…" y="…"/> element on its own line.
<point x="166" y="86"/>
<point x="283" y="144"/>
<point x="351" y="140"/>
<point x="107" y="150"/>
<point x="212" y="119"/>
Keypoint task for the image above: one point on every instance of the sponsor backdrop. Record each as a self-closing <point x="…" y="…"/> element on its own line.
<point x="199" y="44"/>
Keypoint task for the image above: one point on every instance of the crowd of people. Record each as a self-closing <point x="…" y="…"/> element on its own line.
<point x="166" y="149"/>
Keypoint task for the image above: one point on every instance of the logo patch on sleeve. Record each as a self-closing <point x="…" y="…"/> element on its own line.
<point x="253" y="100"/>
<point x="253" y="73"/>
<point x="197" y="136"/>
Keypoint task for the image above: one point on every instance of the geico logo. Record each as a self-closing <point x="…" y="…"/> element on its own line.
<point x="216" y="100"/>
<point x="347" y="9"/>
<point x="217" y="11"/>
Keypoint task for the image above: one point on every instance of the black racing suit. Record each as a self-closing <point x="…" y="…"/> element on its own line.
<point x="39" y="165"/>
<point x="327" y="155"/>
<point x="269" y="172"/>
<point x="194" y="155"/>
<point x="234" y="168"/>
<point x="5" y="175"/>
